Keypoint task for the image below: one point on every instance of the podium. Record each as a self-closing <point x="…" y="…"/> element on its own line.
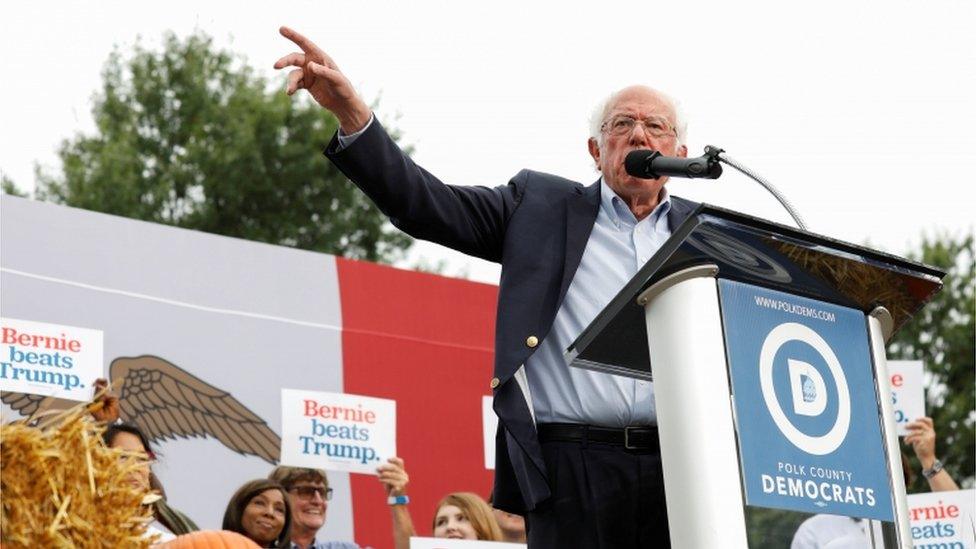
<point x="766" y="348"/>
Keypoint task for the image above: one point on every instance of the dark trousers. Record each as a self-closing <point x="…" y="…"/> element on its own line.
<point x="603" y="497"/>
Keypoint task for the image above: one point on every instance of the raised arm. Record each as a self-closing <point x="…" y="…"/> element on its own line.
<point x="394" y="478"/>
<point x="921" y="435"/>
<point x="471" y="220"/>
<point x="318" y="74"/>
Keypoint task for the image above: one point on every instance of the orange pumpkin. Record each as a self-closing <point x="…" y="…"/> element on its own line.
<point x="209" y="539"/>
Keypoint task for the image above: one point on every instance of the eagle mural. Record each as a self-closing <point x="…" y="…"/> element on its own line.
<point x="167" y="402"/>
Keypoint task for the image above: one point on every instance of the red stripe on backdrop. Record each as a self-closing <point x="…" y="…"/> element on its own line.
<point x="425" y="341"/>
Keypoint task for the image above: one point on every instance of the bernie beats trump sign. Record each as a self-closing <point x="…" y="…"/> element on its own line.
<point x="806" y="405"/>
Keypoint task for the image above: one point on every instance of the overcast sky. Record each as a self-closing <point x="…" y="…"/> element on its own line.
<point x="861" y="113"/>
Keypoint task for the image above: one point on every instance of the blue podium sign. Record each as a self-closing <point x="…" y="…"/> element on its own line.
<point x="806" y="406"/>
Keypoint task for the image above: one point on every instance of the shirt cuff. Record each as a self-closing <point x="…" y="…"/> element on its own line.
<point x="346" y="140"/>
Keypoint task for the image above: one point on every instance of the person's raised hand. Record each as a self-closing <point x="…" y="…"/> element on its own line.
<point x="921" y="435"/>
<point x="393" y="476"/>
<point x="317" y="73"/>
<point x="106" y="403"/>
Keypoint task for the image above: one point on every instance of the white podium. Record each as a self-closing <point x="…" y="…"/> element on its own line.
<point x="765" y="345"/>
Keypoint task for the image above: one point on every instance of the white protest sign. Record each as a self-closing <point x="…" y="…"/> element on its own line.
<point x="434" y="543"/>
<point x="943" y="519"/>
<point x="336" y="431"/>
<point x="906" y="392"/>
<point x="49" y="359"/>
<point x="489" y="424"/>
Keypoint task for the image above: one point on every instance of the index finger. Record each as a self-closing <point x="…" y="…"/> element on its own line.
<point x="300" y="40"/>
<point x="312" y="51"/>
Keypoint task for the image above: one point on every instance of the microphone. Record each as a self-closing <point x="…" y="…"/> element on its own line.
<point x="648" y="164"/>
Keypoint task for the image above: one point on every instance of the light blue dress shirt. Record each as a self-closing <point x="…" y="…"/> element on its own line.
<point x="618" y="246"/>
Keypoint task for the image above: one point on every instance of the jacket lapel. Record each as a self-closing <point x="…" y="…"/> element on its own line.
<point x="581" y="211"/>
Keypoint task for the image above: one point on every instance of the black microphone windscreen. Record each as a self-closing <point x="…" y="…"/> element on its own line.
<point x="637" y="162"/>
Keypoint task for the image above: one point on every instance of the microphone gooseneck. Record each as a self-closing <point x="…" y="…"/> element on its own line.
<point x="650" y="164"/>
<point x="719" y="153"/>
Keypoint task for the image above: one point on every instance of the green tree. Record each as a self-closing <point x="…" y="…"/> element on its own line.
<point x="190" y="136"/>
<point x="942" y="336"/>
<point x="7" y="186"/>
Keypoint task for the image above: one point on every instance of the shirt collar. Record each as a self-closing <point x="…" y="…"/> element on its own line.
<point x="620" y="214"/>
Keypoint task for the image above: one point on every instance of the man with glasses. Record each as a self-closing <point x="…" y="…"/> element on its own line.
<point x="308" y="495"/>
<point x="576" y="451"/>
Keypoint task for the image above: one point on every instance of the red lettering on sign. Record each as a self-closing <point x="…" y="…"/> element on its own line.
<point x="39" y="341"/>
<point x="933" y="512"/>
<point x="340" y="413"/>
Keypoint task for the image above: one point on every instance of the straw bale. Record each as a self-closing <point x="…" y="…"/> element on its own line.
<point x="61" y="486"/>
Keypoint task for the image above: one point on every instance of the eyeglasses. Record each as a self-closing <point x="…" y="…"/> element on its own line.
<point x="308" y="492"/>
<point x="623" y="124"/>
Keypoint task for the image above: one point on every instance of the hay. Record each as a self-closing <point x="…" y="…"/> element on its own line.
<point x="62" y="487"/>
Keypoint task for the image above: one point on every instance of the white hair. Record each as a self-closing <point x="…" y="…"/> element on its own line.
<point x="602" y="110"/>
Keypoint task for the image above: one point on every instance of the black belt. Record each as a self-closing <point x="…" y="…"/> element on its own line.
<point x="632" y="438"/>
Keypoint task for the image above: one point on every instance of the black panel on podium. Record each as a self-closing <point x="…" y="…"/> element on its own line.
<point x="762" y="253"/>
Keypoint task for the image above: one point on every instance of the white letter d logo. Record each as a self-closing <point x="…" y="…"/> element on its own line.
<point x="804" y="376"/>
<point x="808" y="388"/>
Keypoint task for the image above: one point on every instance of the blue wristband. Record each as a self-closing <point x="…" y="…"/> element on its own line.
<point x="397" y="500"/>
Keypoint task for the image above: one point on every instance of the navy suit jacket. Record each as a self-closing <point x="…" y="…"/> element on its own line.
<point x="537" y="227"/>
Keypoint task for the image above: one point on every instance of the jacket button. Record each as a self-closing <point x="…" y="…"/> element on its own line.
<point x="494" y="382"/>
<point x="531" y="341"/>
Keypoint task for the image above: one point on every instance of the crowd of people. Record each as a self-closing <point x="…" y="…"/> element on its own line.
<point x="288" y="508"/>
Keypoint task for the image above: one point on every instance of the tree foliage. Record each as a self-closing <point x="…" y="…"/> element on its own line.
<point x="7" y="186"/>
<point x="942" y="336"/>
<point x="191" y="136"/>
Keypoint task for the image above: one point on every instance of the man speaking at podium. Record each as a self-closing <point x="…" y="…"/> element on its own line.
<point x="576" y="451"/>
